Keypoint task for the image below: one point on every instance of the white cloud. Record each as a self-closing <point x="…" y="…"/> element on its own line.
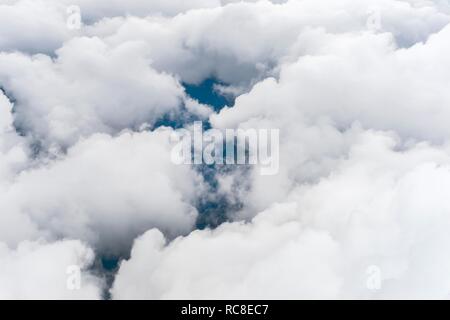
<point x="32" y="26"/>
<point x="13" y="152"/>
<point x="379" y="207"/>
<point x="107" y="8"/>
<point x="235" y="261"/>
<point x="89" y="88"/>
<point x="342" y="84"/>
<point x="359" y="89"/>
<point x="38" y="270"/>
<point x="244" y="41"/>
<point x="106" y="191"/>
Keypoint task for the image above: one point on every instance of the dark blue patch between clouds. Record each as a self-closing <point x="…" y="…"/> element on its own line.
<point x="205" y="93"/>
<point x="212" y="210"/>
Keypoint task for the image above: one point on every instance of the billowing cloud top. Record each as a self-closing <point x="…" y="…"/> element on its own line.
<point x="358" y="89"/>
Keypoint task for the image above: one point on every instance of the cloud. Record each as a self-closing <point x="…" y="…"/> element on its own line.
<point x="346" y="84"/>
<point x="363" y="76"/>
<point x="106" y="191"/>
<point x="359" y="90"/>
<point x="13" y="153"/>
<point x="235" y="261"/>
<point x="228" y="43"/>
<point x="37" y="270"/>
<point x="88" y="88"/>
<point x="102" y="8"/>
<point x="379" y="207"/>
<point x="32" y="26"/>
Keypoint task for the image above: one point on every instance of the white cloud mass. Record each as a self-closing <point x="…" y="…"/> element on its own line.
<point x="358" y="89"/>
<point x="41" y="270"/>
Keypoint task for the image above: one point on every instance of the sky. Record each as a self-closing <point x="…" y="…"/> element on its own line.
<point x="92" y="93"/>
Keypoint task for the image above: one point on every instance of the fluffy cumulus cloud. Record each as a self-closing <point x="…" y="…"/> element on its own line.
<point x="89" y="88"/>
<point x="40" y="271"/>
<point x="243" y="42"/>
<point x="13" y="154"/>
<point x="358" y="89"/>
<point x="105" y="191"/>
<point x="31" y="26"/>
<point x="379" y="208"/>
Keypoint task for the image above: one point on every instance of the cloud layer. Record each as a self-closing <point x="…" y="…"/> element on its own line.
<point x="359" y="90"/>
